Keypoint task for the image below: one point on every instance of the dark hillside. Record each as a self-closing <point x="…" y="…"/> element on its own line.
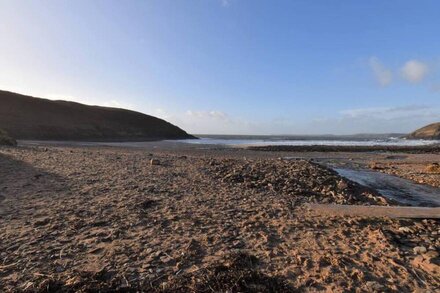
<point x="26" y="117"/>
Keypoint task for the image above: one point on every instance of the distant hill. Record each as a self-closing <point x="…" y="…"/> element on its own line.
<point x="25" y="117"/>
<point x="431" y="131"/>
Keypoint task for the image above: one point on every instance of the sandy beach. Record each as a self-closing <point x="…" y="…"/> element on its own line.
<point x="188" y="219"/>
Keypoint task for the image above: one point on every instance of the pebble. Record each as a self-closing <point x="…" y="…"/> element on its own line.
<point x="419" y="249"/>
<point x="374" y="286"/>
<point x="342" y="185"/>
<point x="154" y="162"/>
<point x="405" y="229"/>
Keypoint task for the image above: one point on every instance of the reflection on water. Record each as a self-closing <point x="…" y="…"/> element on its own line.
<point x="393" y="187"/>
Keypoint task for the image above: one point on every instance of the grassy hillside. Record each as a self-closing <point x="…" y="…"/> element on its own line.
<point x="26" y="117"/>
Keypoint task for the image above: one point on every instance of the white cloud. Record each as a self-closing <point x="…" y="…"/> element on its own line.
<point x="212" y="122"/>
<point x="414" y="71"/>
<point x="218" y="115"/>
<point x="383" y="75"/>
<point x="225" y="3"/>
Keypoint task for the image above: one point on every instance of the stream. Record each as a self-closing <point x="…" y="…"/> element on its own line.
<point x="401" y="190"/>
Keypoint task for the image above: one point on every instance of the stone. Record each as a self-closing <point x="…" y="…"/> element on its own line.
<point x="405" y="229"/>
<point x="154" y="162"/>
<point x="342" y="185"/>
<point x="431" y="255"/>
<point x="433" y="168"/>
<point x="374" y="286"/>
<point x="59" y="269"/>
<point x="419" y="249"/>
<point x="375" y="166"/>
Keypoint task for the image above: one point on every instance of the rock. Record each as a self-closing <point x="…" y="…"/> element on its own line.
<point x="433" y="168"/>
<point x="405" y="229"/>
<point x="428" y="265"/>
<point x="431" y="255"/>
<point x="41" y="222"/>
<point x="146" y="204"/>
<point x="419" y="249"/>
<point x="342" y="185"/>
<point x="73" y="281"/>
<point x="59" y="269"/>
<point x="154" y="162"/>
<point x="375" y="166"/>
<point x="374" y="286"/>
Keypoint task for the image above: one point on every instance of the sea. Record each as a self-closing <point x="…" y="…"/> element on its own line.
<point x="309" y="140"/>
<point x="267" y="140"/>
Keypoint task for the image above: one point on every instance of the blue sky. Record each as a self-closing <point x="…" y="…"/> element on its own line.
<point x="233" y="66"/>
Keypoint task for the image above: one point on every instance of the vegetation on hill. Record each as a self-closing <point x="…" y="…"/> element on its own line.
<point x="431" y="131"/>
<point x="5" y="139"/>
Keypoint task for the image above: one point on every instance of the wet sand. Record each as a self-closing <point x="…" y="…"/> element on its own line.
<point x="200" y="219"/>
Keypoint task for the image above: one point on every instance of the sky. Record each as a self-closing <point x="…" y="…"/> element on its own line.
<point x="233" y="66"/>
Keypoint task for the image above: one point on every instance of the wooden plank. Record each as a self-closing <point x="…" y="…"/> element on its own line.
<point x="376" y="211"/>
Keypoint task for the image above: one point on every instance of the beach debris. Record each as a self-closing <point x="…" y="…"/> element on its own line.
<point x="236" y="272"/>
